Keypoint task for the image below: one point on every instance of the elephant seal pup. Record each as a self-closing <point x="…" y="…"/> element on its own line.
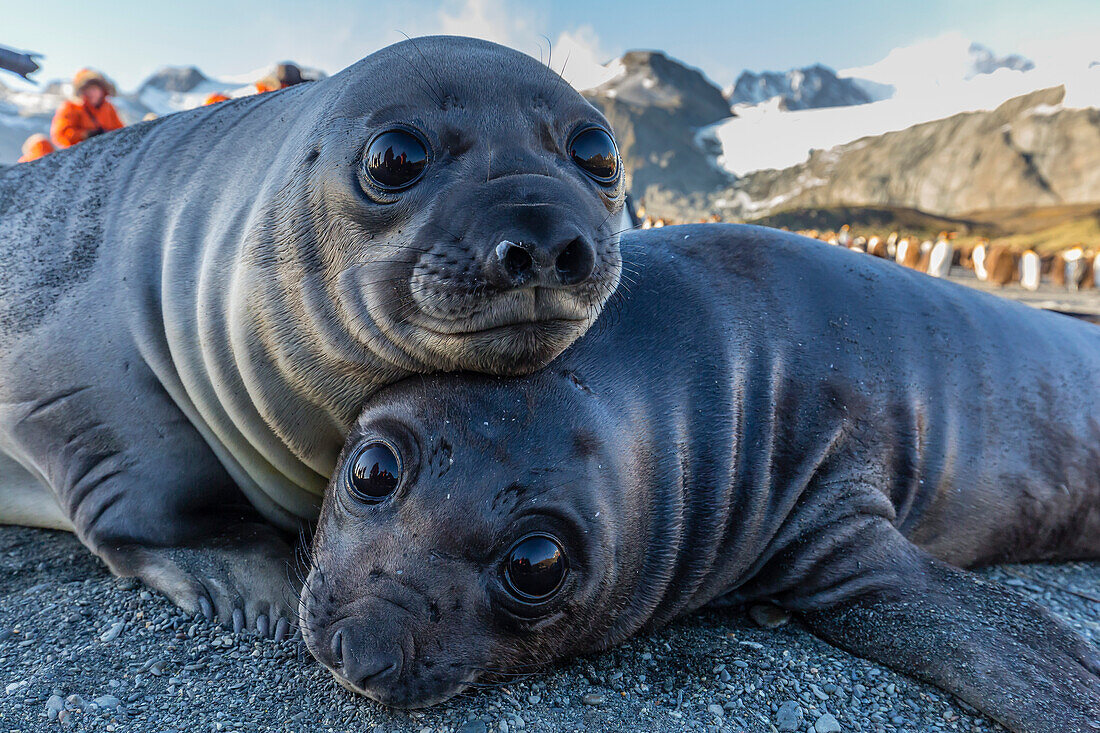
<point x="193" y="310"/>
<point x="761" y="417"/>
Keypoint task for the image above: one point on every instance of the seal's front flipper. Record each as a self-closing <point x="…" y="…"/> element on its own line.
<point x="240" y="576"/>
<point x="142" y="489"/>
<point x="998" y="651"/>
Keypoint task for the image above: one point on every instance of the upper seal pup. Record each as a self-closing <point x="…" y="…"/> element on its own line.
<point x="193" y="310"/>
<point x="761" y="416"/>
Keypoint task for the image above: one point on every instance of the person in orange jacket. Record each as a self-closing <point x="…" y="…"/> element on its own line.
<point x="215" y="98"/>
<point x="285" y="75"/>
<point x="88" y="114"/>
<point x="35" y="147"/>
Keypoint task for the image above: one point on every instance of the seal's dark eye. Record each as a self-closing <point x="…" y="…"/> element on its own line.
<point x="373" y="473"/>
<point x="395" y="159"/>
<point x="594" y="151"/>
<point x="535" y="568"/>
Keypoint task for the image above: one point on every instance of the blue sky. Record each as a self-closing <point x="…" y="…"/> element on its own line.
<point x="129" y="40"/>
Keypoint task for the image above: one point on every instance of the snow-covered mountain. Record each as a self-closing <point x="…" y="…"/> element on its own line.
<point x="1030" y="151"/>
<point x="652" y="79"/>
<point x="811" y="87"/>
<point x="927" y="81"/>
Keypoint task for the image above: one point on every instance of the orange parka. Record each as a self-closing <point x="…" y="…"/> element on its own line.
<point x="35" y="147"/>
<point x="75" y="119"/>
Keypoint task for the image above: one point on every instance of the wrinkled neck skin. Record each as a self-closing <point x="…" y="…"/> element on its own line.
<point x="304" y="341"/>
<point x="274" y="351"/>
<point x="714" y="513"/>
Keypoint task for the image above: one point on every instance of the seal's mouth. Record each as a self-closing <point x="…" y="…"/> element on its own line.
<point x="533" y="326"/>
<point x="535" y="310"/>
<point x="401" y="701"/>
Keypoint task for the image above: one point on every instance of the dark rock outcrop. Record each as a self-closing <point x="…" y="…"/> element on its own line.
<point x="1027" y="152"/>
<point x="657" y="106"/>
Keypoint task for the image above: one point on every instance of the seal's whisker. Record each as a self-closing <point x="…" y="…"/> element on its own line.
<point x="388" y="245"/>
<point x="561" y="75"/>
<point x="445" y="231"/>
<point x="432" y="69"/>
<point x="492" y="685"/>
<point x="618" y="233"/>
<point x="549" y="53"/>
<point x="401" y="298"/>
<point x="305" y="586"/>
<point x="605" y="220"/>
<point x="390" y="262"/>
<point x="426" y="84"/>
<point x="297" y="569"/>
<point x="384" y="280"/>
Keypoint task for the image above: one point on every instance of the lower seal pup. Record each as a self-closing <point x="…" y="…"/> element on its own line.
<point x="762" y="416"/>
<point x="193" y="310"/>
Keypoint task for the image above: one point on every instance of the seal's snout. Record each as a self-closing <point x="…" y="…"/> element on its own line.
<point x="359" y="659"/>
<point x="518" y="264"/>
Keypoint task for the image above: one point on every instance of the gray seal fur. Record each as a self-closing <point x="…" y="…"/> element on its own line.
<point x="760" y="417"/>
<point x="194" y="309"/>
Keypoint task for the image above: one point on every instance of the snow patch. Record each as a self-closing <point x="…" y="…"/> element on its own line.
<point x="930" y="80"/>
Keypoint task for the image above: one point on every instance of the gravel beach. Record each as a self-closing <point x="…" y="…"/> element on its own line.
<point x="81" y="650"/>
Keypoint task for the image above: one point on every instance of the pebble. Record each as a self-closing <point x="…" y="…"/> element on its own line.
<point x="15" y="686"/>
<point x="54" y="705"/>
<point x="789" y="717"/>
<point x="716" y="710"/>
<point x="112" y="633"/>
<point x="827" y="724"/>
<point x="594" y="699"/>
<point x="473" y="726"/>
<point x="769" y="616"/>
<point x="107" y="702"/>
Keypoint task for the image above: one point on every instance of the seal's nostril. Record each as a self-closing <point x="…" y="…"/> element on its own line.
<point x="337" y="646"/>
<point x="515" y="260"/>
<point x="576" y="262"/>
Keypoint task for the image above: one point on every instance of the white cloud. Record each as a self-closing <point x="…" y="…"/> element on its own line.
<point x="576" y="54"/>
<point x="492" y="20"/>
<point x="582" y="58"/>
